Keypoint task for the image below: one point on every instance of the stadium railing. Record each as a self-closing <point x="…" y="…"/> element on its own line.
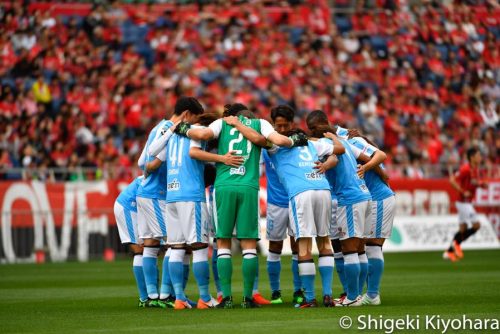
<point x="422" y="171"/>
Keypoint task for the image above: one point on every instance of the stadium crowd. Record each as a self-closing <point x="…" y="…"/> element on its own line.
<point x="421" y="81"/>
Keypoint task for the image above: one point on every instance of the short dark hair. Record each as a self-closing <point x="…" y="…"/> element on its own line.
<point x="246" y="113"/>
<point x="316" y="116"/>
<point x="233" y="109"/>
<point x="295" y="131"/>
<point x="206" y="118"/>
<point x="188" y="103"/>
<point x="318" y="124"/>
<point x="471" y="152"/>
<point x="282" y="111"/>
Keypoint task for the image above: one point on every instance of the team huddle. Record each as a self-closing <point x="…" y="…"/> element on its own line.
<point x="329" y="186"/>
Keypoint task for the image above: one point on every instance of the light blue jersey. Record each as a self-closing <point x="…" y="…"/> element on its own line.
<point x="330" y="174"/>
<point x="127" y="196"/>
<point x="154" y="185"/>
<point x="185" y="175"/>
<point x="350" y="189"/>
<point x="378" y="188"/>
<point x="294" y="167"/>
<point x="276" y="193"/>
<point x="342" y="133"/>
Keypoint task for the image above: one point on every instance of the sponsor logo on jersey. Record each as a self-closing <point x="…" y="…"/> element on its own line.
<point x="173" y="171"/>
<point x="174" y="185"/>
<point x="237" y="171"/>
<point x="313" y="176"/>
<point x="364" y="188"/>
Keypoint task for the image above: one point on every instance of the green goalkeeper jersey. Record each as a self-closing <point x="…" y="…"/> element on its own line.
<point x="230" y="139"/>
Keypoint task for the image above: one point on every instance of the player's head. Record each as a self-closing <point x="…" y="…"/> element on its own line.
<point x="246" y="113"/>
<point x="294" y="132"/>
<point x="206" y="118"/>
<point x="282" y="117"/>
<point x="189" y="107"/>
<point x="317" y="123"/>
<point x="474" y="155"/>
<point x="233" y="109"/>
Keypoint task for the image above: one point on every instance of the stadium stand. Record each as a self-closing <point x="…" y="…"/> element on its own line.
<point x="81" y="84"/>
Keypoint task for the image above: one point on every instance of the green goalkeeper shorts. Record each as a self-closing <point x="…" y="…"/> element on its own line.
<point x="236" y="207"/>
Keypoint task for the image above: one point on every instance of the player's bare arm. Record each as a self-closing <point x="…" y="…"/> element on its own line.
<point x="200" y="134"/>
<point x="249" y="133"/>
<point x="338" y="148"/>
<point x="153" y="165"/>
<point x="361" y="169"/>
<point x="329" y="163"/>
<point x="229" y="158"/>
<point x="456" y="186"/>
<point x="377" y="158"/>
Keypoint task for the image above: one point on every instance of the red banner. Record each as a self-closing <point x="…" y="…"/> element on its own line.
<point x="59" y="213"/>
<point x="23" y="199"/>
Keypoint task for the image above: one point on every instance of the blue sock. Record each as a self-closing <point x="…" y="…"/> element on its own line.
<point x="274" y="270"/>
<point x="176" y="269"/>
<point x="325" y="267"/>
<point x="363" y="271"/>
<point x="150" y="269"/>
<point x="339" y="265"/>
<point x="201" y="271"/>
<point x="375" y="270"/>
<point x="139" y="277"/>
<point x="307" y="274"/>
<point x="185" y="264"/>
<point x="215" y="271"/>
<point x="351" y="270"/>
<point x="297" y="283"/>
<point x="166" y="288"/>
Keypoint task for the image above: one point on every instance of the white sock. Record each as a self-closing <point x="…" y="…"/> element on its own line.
<point x="137" y="260"/>
<point x="200" y="255"/>
<point x="150" y="252"/>
<point x="351" y="258"/>
<point x="273" y="257"/>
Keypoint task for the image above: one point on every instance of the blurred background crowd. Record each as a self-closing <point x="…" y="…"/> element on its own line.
<point x="81" y="88"/>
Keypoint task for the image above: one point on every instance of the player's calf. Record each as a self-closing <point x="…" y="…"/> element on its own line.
<point x="274" y="270"/>
<point x="201" y="271"/>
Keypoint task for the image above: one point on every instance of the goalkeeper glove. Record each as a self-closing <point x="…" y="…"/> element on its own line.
<point x="182" y="128"/>
<point x="298" y="139"/>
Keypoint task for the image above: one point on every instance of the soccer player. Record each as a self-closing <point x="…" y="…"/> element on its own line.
<point x="125" y="210"/>
<point x="278" y="219"/>
<point x="465" y="181"/>
<point x="236" y="194"/>
<point x="353" y="209"/>
<point x="310" y="211"/>
<point x="188" y="224"/>
<point x="381" y="217"/>
<point x="319" y="117"/>
<point x="151" y="195"/>
<point x="383" y="208"/>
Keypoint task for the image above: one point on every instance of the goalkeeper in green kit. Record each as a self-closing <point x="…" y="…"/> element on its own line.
<point x="236" y="196"/>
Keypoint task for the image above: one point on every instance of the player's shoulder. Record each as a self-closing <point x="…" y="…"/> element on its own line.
<point x="465" y="168"/>
<point x="357" y="141"/>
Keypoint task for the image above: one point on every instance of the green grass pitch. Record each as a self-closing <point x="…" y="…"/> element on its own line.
<point x="99" y="297"/>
